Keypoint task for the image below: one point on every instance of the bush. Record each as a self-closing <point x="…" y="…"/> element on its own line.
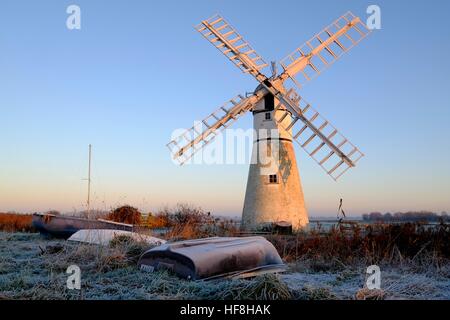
<point x="185" y="222"/>
<point x="156" y="221"/>
<point x="125" y="214"/>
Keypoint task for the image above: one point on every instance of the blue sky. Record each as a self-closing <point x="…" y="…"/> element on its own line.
<point x="137" y="70"/>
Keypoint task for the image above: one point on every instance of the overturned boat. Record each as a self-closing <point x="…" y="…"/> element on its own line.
<point x="104" y="237"/>
<point x="59" y="226"/>
<point x="217" y="257"/>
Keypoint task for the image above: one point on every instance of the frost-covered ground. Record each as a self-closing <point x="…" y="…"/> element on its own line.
<point x="32" y="267"/>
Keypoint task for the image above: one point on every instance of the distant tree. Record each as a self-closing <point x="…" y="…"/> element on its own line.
<point x="387" y="216"/>
<point x="411" y="216"/>
<point x="376" y="216"/>
<point x="398" y="216"/>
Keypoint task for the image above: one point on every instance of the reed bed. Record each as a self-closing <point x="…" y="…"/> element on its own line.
<point x="371" y="244"/>
<point x="13" y="222"/>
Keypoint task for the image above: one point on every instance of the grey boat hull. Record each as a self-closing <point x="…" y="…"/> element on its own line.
<point x="63" y="227"/>
<point x="216" y="257"/>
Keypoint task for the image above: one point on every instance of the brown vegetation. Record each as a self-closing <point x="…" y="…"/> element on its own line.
<point x="13" y="222"/>
<point x="185" y="221"/>
<point x="372" y="244"/>
<point x="125" y="214"/>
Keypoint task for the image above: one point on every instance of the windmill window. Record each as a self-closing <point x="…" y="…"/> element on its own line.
<point x="273" y="178"/>
<point x="269" y="102"/>
<point x="268" y="116"/>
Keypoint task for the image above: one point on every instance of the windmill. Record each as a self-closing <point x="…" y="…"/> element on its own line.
<point x="280" y="116"/>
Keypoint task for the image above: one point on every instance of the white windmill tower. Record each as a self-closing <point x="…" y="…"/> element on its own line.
<point x="274" y="193"/>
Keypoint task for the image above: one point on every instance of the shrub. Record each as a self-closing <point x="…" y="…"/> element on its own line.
<point x="156" y="221"/>
<point x="125" y="214"/>
<point x="186" y="222"/>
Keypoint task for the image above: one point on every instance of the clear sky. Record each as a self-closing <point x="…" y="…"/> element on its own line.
<point x="138" y="70"/>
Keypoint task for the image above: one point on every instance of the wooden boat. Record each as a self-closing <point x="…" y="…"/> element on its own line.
<point x="217" y="257"/>
<point x="60" y="226"/>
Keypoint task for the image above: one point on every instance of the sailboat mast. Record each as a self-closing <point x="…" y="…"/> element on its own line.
<point x="89" y="183"/>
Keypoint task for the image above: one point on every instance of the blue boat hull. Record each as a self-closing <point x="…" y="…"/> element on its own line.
<point x="63" y="227"/>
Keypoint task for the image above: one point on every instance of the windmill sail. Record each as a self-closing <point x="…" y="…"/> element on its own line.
<point x="317" y="136"/>
<point x="322" y="50"/>
<point x="321" y="140"/>
<point x="184" y="146"/>
<point x="225" y="38"/>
